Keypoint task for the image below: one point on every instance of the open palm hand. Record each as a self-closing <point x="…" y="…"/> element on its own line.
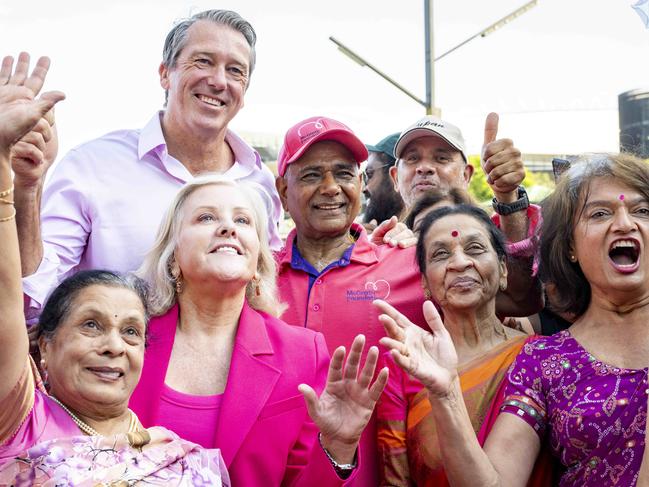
<point x="19" y="108"/>
<point x="345" y="406"/>
<point x="430" y="357"/>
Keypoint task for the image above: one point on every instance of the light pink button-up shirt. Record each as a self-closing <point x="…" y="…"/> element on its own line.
<point x="105" y="199"/>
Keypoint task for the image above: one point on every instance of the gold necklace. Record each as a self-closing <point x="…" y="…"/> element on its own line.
<point x="89" y="430"/>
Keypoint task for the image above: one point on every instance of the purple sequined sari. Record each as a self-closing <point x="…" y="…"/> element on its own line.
<point x="592" y="414"/>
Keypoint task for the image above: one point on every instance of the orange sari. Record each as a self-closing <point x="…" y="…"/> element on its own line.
<point x="409" y="447"/>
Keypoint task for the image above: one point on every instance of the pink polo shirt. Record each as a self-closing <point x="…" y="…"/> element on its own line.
<point x="340" y="306"/>
<point x="340" y="302"/>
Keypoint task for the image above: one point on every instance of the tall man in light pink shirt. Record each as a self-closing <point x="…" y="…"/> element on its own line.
<point x="104" y="200"/>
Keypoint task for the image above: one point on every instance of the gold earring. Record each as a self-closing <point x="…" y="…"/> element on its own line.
<point x="255" y="281"/>
<point x="427" y="293"/>
<point x="178" y="279"/>
<point x="503" y="286"/>
<point x="44" y="371"/>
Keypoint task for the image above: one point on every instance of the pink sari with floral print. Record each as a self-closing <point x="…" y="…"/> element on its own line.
<point x="40" y="445"/>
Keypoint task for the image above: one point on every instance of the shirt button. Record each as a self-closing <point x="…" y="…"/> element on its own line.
<point x="316" y="307"/>
<point x="318" y="282"/>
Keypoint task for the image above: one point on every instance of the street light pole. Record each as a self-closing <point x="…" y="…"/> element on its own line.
<point x="431" y="109"/>
<point x="429" y="104"/>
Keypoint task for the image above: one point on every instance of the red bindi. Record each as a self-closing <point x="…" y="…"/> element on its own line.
<point x="621" y="197"/>
<point x="454" y="233"/>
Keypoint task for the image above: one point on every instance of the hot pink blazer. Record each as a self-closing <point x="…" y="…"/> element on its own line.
<point x="264" y="432"/>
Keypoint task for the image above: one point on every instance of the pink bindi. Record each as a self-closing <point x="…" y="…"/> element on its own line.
<point x="454" y="233"/>
<point x="621" y="197"/>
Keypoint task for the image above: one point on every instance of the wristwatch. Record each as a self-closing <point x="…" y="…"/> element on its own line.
<point x="522" y="203"/>
<point x="343" y="470"/>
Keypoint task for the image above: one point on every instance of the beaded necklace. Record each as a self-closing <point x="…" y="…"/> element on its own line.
<point x="133" y="425"/>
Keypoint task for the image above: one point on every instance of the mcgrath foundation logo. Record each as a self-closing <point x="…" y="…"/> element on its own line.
<point x="379" y="289"/>
<point x="310" y="130"/>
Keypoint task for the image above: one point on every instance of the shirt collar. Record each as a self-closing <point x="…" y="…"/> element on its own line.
<point x="364" y="251"/>
<point x="152" y="139"/>
<point x="151" y="136"/>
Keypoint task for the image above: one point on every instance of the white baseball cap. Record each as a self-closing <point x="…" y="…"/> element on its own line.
<point x="431" y="126"/>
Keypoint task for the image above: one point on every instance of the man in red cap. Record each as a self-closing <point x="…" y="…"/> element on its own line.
<point x="329" y="271"/>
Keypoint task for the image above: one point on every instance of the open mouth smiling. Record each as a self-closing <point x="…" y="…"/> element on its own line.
<point x="624" y="254"/>
<point x="226" y="249"/>
<point x="329" y="206"/>
<point x="210" y="101"/>
<point x="107" y="373"/>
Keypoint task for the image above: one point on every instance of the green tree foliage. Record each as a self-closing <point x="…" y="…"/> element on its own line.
<point x="538" y="184"/>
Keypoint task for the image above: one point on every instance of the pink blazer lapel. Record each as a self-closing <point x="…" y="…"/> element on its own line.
<point x="250" y="382"/>
<point x="144" y="401"/>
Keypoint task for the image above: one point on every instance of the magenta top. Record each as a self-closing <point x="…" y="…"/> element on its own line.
<point x="46" y="420"/>
<point x="181" y="412"/>
<point x="592" y="414"/>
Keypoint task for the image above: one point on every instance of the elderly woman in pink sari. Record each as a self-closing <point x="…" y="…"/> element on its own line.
<point x="92" y="331"/>
<point x="582" y="392"/>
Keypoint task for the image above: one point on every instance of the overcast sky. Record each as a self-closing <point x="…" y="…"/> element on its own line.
<point x="553" y="74"/>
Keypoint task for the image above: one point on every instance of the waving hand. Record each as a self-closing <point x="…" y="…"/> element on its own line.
<point x="345" y="406"/>
<point x="430" y="357"/>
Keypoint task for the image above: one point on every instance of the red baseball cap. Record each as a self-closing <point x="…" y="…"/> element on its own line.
<point x="316" y="129"/>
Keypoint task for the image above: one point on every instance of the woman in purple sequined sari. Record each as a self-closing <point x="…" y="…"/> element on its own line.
<point x="581" y="393"/>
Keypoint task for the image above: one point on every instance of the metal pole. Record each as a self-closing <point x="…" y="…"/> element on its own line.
<point x="496" y="25"/>
<point x="430" y="58"/>
<point x="364" y="63"/>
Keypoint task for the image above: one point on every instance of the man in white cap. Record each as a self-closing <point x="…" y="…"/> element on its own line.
<point x="431" y="154"/>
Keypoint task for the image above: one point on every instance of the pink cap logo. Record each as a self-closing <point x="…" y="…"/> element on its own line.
<point x="310" y="130"/>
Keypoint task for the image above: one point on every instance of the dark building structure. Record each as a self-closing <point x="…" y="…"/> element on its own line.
<point x="633" y="107"/>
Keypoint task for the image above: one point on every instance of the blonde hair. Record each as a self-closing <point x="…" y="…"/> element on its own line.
<point x="156" y="269"/>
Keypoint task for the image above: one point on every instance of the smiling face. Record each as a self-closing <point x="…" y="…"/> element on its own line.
<point x="427" y="163"/>
<point x="321" y="190"/>
<point x="94" y="359"/>
<point x="463" y="270"/>
<point x="206" y="86"/>
<point x="217" y="240"/>
<point x="609" y="239"/>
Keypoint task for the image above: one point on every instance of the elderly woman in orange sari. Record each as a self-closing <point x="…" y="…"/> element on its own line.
<point x="461" y="256"/>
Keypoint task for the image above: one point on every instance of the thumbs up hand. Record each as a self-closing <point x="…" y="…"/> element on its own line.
<point x="501" y="162"/>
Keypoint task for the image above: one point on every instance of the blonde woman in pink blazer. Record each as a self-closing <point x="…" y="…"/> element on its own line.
<point x="221" y="370"/>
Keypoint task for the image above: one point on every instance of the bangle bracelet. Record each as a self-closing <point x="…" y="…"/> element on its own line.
<point x="6" y="201"/>
<point x="7" y="192"/>
<point x="11" y="217"/>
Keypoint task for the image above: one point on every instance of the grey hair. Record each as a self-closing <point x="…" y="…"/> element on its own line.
<point x="177" y="36"/>
<point x="156" y="268"/>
